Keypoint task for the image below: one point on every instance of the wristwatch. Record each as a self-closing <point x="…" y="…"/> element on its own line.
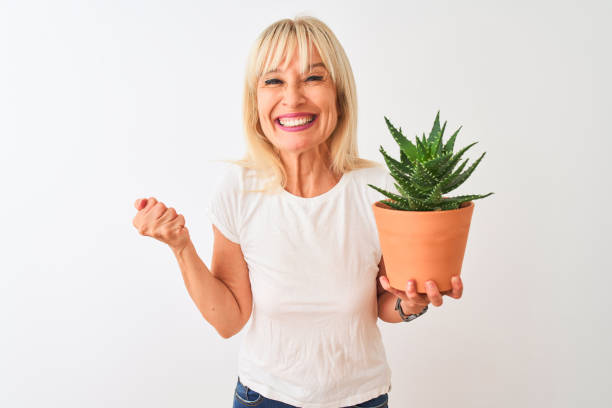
<point x="405" y="317"/>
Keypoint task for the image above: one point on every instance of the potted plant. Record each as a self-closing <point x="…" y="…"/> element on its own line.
<point x="422" y="234"/>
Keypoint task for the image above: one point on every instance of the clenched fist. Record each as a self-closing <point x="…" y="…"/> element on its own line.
<point x="164" y="224"/>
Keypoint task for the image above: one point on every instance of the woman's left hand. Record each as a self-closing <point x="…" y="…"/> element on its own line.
<point x="413" y="302"/>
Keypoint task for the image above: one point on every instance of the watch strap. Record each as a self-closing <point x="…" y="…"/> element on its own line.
<point x="405" y="317"/>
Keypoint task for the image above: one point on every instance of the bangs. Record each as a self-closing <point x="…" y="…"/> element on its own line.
<point x="280" y="44"/>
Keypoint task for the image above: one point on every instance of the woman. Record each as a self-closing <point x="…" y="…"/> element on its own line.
<point x="296" y="248"/>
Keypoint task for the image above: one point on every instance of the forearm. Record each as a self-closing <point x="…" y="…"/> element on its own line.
<point x="386" y="308"/>
<point x="212" y="297"/>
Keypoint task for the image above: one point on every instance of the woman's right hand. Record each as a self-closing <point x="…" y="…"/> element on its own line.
<point x="164" y="224"/>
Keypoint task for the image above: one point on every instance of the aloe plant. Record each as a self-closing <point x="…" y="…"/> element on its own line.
<point x="426" y="170"/>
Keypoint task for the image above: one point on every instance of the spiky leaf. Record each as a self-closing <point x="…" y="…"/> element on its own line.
<point x="457" y="181"/>
<point x="406" y="145"/>
<point x="450" y="145"/>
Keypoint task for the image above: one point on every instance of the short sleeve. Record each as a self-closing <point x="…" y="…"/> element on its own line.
<point x="224" y="206"/>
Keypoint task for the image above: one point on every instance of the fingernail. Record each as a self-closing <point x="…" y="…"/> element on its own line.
<point x="410" y="285"/>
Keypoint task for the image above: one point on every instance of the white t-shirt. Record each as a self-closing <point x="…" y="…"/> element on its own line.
<point x="313" y="339"/>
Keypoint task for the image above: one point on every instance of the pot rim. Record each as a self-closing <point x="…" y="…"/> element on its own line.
<point x="384" y="207"/>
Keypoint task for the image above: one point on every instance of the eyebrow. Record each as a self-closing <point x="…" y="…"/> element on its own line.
<point x="311" y="66"/>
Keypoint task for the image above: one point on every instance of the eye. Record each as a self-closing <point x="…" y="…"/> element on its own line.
<point x="270" y="81"/>
<point x="274" y="81"/>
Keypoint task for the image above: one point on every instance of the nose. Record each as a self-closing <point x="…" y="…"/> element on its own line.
<point x="294" y="95"/>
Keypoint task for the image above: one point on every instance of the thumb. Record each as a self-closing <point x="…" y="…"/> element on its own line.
<point x="384" y="282"/>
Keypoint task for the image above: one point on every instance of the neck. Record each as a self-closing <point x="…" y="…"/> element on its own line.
<point x="309" y="173"/>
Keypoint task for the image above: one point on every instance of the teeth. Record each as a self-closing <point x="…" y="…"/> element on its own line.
<point x="290" y="122"/>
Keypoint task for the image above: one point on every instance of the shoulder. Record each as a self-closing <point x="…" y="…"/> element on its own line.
<point x="374" y="175"/>
<point x="228" y="181"/>
<point x="238" y="181"/>
<point x="377" y="176"/>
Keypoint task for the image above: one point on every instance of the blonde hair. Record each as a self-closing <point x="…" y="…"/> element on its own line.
<point x="275" y="42"/>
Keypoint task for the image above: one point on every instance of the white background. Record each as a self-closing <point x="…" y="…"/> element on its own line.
<point x="104" y="102"/>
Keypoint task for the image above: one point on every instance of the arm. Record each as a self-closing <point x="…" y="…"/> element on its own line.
<point x="223" y="294"/>
<point x="212" y="297"/>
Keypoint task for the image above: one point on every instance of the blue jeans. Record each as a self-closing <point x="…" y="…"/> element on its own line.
<point x="245" y="397"/>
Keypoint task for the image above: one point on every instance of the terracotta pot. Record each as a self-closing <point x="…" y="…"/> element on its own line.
<point x="423" y="245"/>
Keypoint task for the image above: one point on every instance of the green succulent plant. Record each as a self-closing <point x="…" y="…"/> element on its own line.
<point x="426" y="170"/>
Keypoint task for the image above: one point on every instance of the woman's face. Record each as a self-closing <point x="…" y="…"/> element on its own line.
<point x="297" y="112"/>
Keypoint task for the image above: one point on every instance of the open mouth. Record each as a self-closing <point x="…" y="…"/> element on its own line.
<point x="295" y="125"/>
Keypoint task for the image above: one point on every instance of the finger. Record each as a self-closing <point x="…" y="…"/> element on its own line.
<point x="411" y="292"/>
<point x="157" y="210"/>
<point x="179" y="221"/>
<point x="457" y="287"/>
<point x="384" y="281"/>
<point x="171" y="226"/>
<point x="414" y="296"/>
<point x="151" y="201"/>
<point x="140" y="203"/>
<point x="433" y="293"/>
<point x="168" y="215"/>
<point x="415" y="299"/>
<point x="178" y="224"/>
